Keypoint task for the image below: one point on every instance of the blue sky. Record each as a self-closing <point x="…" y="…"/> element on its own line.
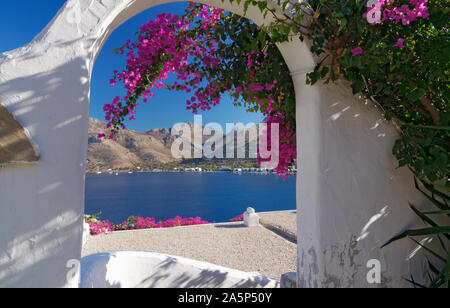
<point x="21" y="21"/>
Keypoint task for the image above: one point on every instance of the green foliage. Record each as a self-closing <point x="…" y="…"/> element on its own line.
<point x="425" y="151"/>
<point x="93" y="218"/>
<point x="410" y="84"/>
<point x="439" y="265"/>
<point x="132" y="220"/>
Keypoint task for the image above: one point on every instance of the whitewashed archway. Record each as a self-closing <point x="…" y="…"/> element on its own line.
<point x="351" y="198"/>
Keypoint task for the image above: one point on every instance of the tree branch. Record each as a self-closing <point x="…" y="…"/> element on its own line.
<point x="434" y="113"/>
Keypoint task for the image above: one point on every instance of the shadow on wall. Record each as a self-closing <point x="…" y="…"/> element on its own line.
<point x="50" y="108"/>
<point x="364" y="194"/>
<point x="14" y="144"/>
<point x="25" y="255"/>
<point x="152" y="270"/>
<point x="43" y="225"/>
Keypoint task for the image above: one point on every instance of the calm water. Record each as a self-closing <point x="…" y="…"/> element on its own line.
<point x="215" y="197"/>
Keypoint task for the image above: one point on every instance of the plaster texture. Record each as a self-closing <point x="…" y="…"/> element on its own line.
<point x="351" y="197"/>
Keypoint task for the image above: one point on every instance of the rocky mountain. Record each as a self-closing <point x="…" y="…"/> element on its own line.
<point x="149" y="150"/>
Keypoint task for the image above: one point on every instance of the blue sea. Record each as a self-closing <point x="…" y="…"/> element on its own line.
<point x="215" y="197"/>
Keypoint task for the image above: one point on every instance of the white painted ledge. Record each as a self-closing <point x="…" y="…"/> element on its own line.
<point x="134" y="269"/>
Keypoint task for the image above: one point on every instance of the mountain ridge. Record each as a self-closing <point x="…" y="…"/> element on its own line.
<point x="131" y="150"/>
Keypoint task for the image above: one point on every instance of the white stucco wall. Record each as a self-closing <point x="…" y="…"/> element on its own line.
<point x="347" y="173"/>
<point x="351" y="197"/>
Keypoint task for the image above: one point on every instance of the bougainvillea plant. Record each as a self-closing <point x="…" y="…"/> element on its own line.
<point x="211" y="53"/>
<point x="98" y="227"/>
<point x="394" y="52"/>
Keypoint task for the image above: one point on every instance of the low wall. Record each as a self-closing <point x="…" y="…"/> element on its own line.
<point x="126" y="269"/>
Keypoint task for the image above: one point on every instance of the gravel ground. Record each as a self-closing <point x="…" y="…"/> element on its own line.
<point x="283" y="221"/>
<point x="231" y="245"/>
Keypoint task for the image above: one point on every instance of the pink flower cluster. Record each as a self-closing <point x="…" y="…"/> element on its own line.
<point x="97" y="228"/>
<point x="150" y="223"/>
<point x="357" y="51"/>
<point x="238" y="218"/>
<point x="405" y="13"/>
<point x="165" y="47"/>
<point x="287" y="146"/>
<point x="384" y="10"/>
<point x="100" y="227"/>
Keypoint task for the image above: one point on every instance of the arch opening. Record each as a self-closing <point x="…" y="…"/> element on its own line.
<point x="262" y="207"/>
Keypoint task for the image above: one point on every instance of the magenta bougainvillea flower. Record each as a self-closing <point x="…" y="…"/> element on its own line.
<point x="137" y="223"/>
<point x="237" y="218"/>
<point x="400" y="43"/>
<point x="357" y="51"/>
<point x="404" y="13"/>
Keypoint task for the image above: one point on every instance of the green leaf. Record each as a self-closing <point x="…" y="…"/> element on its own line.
<point x="419" y="232"/>
<point x="429" y="250"/>
<point x="416" y="94"/>
<point x="411" y="281"/>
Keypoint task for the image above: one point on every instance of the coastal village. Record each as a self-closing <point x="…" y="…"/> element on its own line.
<point x="262" y="171"/>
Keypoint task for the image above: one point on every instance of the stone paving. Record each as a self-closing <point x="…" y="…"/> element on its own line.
<point x="284" y="222"/>
<point x="255" y="249"/>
